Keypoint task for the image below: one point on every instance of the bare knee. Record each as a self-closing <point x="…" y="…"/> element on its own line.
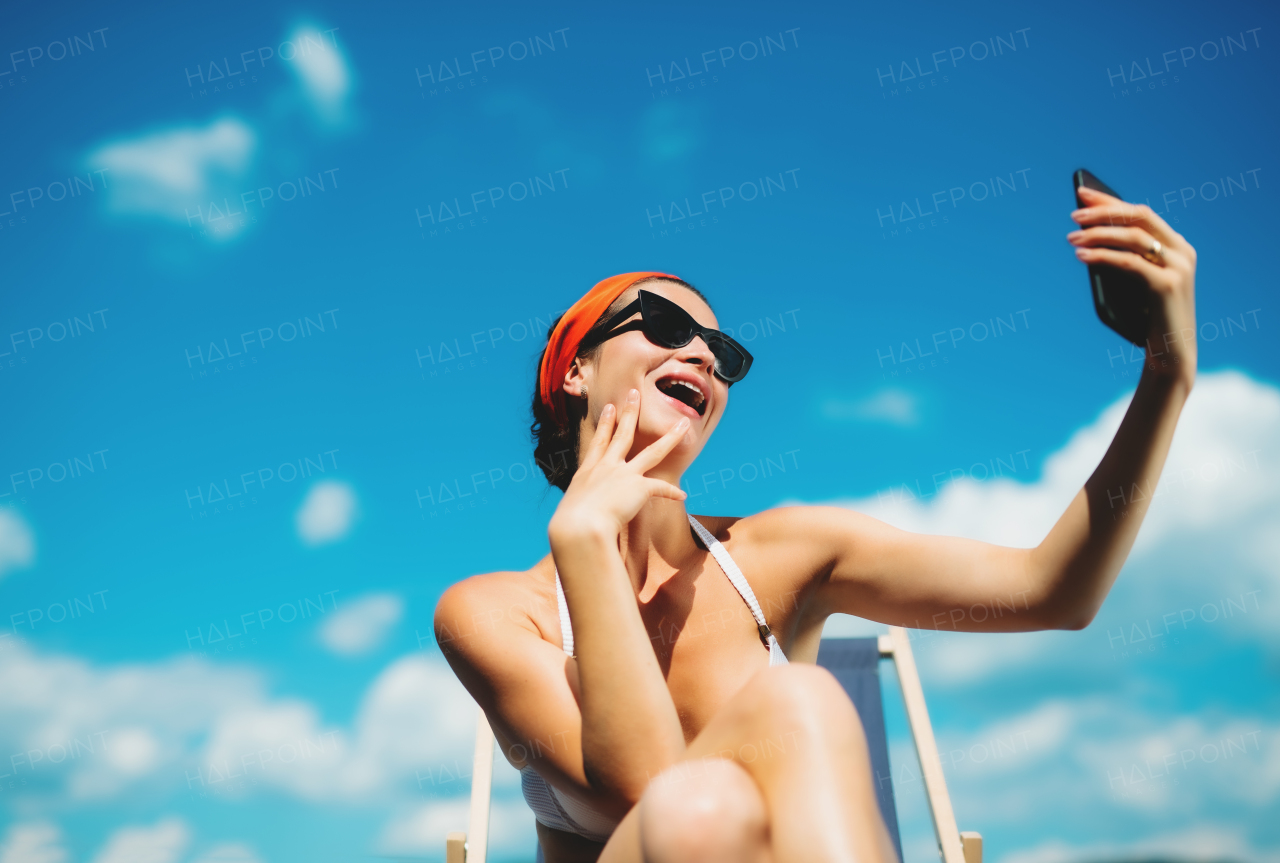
<point x="806" y="696"/>
<point x="706" y="810"/>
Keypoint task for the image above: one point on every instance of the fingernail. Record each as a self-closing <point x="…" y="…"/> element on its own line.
<point x="607" y="409"/>
<point x="683" y="424"/>
<point x="633" y="395"/>
<point x="1081" y="252"/>
<point x="1075" y="235"/>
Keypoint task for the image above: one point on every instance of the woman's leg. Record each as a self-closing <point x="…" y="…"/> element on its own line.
<point x="707" y="811"/>
<point x="795" y="733"/>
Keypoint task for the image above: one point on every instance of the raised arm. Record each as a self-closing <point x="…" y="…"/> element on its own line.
<point x="867" y="568"/>
<point x="630" y="728"/>
<point x="601" y="724"/>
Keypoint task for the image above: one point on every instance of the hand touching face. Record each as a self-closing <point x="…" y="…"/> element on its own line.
<point x="609" y="489"/>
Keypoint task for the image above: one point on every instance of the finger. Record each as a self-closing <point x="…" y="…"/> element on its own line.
<point x="1156" y="277"/>
<point x="623" y="437"/>
<point x="1122" y="214"/>
<point x="600" y="440"/>
<point x="663" y="489"/>
<point x="1093" y="198"/>
<point x="1134" y="240"/>
<point x="652" y="455"/>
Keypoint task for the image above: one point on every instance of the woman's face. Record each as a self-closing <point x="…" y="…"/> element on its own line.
<point x="673" y="383"/>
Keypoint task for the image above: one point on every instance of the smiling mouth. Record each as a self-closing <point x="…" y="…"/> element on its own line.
<point x="684" y="392"/>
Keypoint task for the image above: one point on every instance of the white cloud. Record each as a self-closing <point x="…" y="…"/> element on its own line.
<point x="362" y="625"/>
<point x="1207" y="559"/>
<point x="1205" y="842"/>
<point x="669" y="132"/>
<point x="1177" y="765"/>
<point x="893" y="406"/>
<point x="415" y="725"/>
<point x="35" y="842"/>
<point x="133" y="751"/>
<point x="58" y="706"/>
<point x="1011" y="744"/>
<point x="17" y="544"/>
<point x="416" y="714"/>
<point x="960" y="660"/>
<point x="281" y="743"/>
<point x="163" y="843"/>
<point x="322" y="71"/>
<point x="327" y="513"/>
<point x="1103" y="766"/>
<point x="421" y="829"/>
<point x="228" y="852"/>
<point x="1004" y="774"/>
<point x="193" y="725"/>
<point x="173" y="172"/>
<point x="1214" y="511"/>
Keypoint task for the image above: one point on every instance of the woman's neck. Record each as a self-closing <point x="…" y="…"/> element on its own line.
<point x="656" y="544"/>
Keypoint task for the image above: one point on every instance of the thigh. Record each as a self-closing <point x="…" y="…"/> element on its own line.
<point x="748" y="730"/>
<point x="624" y="845"/>
<point x="798" y="736"/>
<point x="561" y="847"/>
<point x="707" y="810"/>
<point x="781" y="715"/>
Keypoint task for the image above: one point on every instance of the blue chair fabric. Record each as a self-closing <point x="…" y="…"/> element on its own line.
<point x="855" y="662"/>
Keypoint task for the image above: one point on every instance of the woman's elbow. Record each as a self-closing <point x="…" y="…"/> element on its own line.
<point x="1078" y="621"/>
<point x="1057" y="614"/>
<point x="615" y="790"/>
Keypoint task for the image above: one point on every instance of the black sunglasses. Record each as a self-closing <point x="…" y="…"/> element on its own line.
<point x="665" y="323"/>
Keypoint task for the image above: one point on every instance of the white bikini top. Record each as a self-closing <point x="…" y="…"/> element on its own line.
<point x="562" y="812"/>
<point x="717" y="549"/>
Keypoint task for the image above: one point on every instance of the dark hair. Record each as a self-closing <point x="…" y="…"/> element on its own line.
<point x="555" y="448"/>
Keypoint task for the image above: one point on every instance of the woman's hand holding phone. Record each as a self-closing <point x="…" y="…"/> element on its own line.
<point x="1133" y="238"/>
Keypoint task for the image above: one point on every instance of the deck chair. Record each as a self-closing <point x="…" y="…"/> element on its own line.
<point x="855" y="662"/>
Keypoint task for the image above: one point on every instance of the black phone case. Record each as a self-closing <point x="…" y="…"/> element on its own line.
<point x="1122" y="299"/>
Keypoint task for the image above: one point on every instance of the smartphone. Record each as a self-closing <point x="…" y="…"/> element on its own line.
<point x="1122" y="299"/>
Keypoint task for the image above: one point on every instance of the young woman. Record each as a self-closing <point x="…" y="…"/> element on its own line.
<point x="629" y="672"/>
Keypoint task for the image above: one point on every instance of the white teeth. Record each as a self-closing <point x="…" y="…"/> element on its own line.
<point x="692" y="387"/>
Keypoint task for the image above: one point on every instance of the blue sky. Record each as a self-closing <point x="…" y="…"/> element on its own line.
<point x="274" y="283"/>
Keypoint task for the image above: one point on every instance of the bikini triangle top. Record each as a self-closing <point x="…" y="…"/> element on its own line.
<point x="718" y="551"/>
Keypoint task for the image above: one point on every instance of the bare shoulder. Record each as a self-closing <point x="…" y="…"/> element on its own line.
<point x="785" y="527"/>
<point x="479" y="610"/>
<point x="785" y="553"/>
<point x="795" y="550"/>
<point x="500" y="633"/>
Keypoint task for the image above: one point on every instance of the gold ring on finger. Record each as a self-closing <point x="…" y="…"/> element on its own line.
<point x="1156" y="253"/>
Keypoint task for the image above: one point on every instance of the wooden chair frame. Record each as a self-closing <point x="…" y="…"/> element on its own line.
<point x="956" y="847"/>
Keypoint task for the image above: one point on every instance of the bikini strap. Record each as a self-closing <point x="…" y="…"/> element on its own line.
<point x="736" y="578"/>
<point x="739" y="581"/>
<point x="566" y="627"/>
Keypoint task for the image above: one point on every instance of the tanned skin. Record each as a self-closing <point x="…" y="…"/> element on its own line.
<point x="670" y="679"/>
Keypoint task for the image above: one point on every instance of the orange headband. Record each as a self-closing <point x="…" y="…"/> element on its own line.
<point x="562" y="347"/>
